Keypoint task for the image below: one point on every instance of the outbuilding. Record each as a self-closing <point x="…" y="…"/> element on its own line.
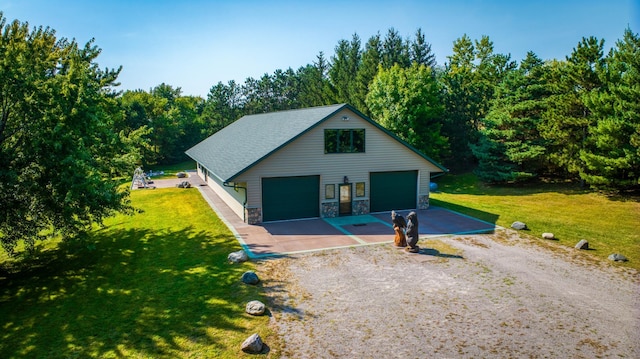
<point x="322" y="161"/>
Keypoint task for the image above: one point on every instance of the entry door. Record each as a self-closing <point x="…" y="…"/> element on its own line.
<point x="345" y="199"/>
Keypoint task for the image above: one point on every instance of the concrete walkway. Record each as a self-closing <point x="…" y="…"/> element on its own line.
<point x="306" y="235"/>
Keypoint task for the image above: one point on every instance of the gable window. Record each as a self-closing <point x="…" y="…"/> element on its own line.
<point x="344" y="141"/>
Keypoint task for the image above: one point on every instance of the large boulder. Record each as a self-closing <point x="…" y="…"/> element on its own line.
<point x="617" y="257"/>
<point x="181" y="175"/>
<point x="253" y="344"/>
<point x="519" y="225"/>
<point x="548" y="235"/>
<point x="255" y="307"/>
<point x="250" y="277"/>
<point x="238" y="257"/>
<point x="583" y="244"/>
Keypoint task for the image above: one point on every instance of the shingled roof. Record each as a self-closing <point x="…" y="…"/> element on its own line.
<point x="252" y="138"/>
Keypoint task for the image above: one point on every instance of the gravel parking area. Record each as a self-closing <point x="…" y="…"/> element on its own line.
<point x="479" y="296"/>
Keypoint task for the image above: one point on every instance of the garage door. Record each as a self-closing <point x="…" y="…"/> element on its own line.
<point x="290" y="198"/>
<point x="393" y="190"/>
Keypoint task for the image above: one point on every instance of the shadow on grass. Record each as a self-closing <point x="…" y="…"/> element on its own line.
<point x="488" y="217"/>
<point x="123" y="292"/>
<point x="468" y="183"/>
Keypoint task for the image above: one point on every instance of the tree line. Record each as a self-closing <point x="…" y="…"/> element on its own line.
<point x="572" y="119"/>
<point x="67" y="133"/>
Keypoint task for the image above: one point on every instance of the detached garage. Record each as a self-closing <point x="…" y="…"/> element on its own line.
<point x="322" y="161"/>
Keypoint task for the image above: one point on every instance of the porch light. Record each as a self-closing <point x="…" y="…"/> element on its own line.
<point x="345" y="179"/>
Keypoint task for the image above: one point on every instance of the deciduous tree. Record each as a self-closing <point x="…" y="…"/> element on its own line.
<point x="57" y="147"/>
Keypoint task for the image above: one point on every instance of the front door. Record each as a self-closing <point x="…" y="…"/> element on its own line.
<point x="345" y="199"/>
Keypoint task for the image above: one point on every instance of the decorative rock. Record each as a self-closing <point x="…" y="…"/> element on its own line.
<point x="250" y="277"/>
<point x="617" y="257"/>
<point x="583" y="244"/>
<point x="237" y="257"/>
<point x="253" y="344"/>
<point x="255" y="307"/>
<point x="518" y="225"/>
<point x="181" y="174"/>
<point x="547" y="235"/>
<point x="184" y="184"/>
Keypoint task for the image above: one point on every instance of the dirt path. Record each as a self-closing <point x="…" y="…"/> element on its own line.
<point x="494" y="296"/>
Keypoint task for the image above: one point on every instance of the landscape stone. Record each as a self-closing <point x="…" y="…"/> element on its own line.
<point x="250" y="277"/>
<point x="617" y="257"/>
<point x="518" y="225"/>
<point x="548" y="235"/>
<point x="238" y="257"/>
<point x="255" y="307"/>
<point x="181" y="175"/>
<point x="583" y="244"/>
<point x="184" y="184"/>
<point x="253" y="344"/>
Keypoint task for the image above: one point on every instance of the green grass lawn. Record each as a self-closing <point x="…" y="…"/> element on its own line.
<point x="610" y="224"/>
<point x="152" y="285"/>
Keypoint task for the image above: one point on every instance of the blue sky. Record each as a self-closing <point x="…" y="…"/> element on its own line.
<point x="196" y="44"/>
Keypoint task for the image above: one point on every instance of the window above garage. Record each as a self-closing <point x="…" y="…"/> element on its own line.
<point x="344" y="140"/>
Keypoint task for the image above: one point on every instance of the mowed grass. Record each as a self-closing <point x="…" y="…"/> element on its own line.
<point x="153" y="285"/>
<point x="170" y="171"/>
<point x="610" y="224"/>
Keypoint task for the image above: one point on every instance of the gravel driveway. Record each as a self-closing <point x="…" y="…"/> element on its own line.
<point x="481" y="296"/>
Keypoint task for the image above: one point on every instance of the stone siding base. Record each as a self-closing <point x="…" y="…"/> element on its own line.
<point x="360" y="207"/>
<point x="329" y="210"/>
<point x="423" y="201"/>
<point x="253" y="215"/>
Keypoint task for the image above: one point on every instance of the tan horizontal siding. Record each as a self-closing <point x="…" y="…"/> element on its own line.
<point x="305" y="156"/>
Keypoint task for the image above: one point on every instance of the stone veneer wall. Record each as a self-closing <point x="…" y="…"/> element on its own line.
<point x="253" y="215"/>
<point x="360" y="206"/>
<point x="423" y="201"/>
<point x="329" y="210"/>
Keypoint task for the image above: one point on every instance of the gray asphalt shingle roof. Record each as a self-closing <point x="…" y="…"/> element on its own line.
<point x="252" y="138"/>
<point x="247" y="141"/>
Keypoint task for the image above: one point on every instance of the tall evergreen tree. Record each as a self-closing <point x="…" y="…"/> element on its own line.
<point x="469" y="80"/>
<point x="394" y="50"/>
<point x="568" y="120"/>
<point x="612" y="158"/>
<point x="315" y="88"/>
<point x="510" y="147"/>
<point x="420" y="51"/>
<point x="344" y="67"/>
<point x="371" y="59"/>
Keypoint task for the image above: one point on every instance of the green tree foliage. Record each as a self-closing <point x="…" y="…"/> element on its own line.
<point x="469" y="81"/>
<point x="406" y="102"/>
<point x="568" y="119"/>
<point x="57" y="147"/>
<point x="420" y="51"/>
<point x="395" y="50"/>
<point x="510" y="147"/>
<point x="371" y="59"/>
<point x="164" y="122"/>
<point x="612" y="156"/>
<point x="344" y="67"/>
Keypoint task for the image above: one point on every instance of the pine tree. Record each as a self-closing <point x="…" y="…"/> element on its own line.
<point x="510" y="147"/>
<point x="612" y="158"/>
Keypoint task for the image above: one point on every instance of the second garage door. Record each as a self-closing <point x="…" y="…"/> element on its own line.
<point x="290" y="198"/>
<point x="393" y="190"/>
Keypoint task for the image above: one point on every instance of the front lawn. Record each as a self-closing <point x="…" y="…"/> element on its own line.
<point x="152" y="285"/>
<point x="610" y="224"/>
